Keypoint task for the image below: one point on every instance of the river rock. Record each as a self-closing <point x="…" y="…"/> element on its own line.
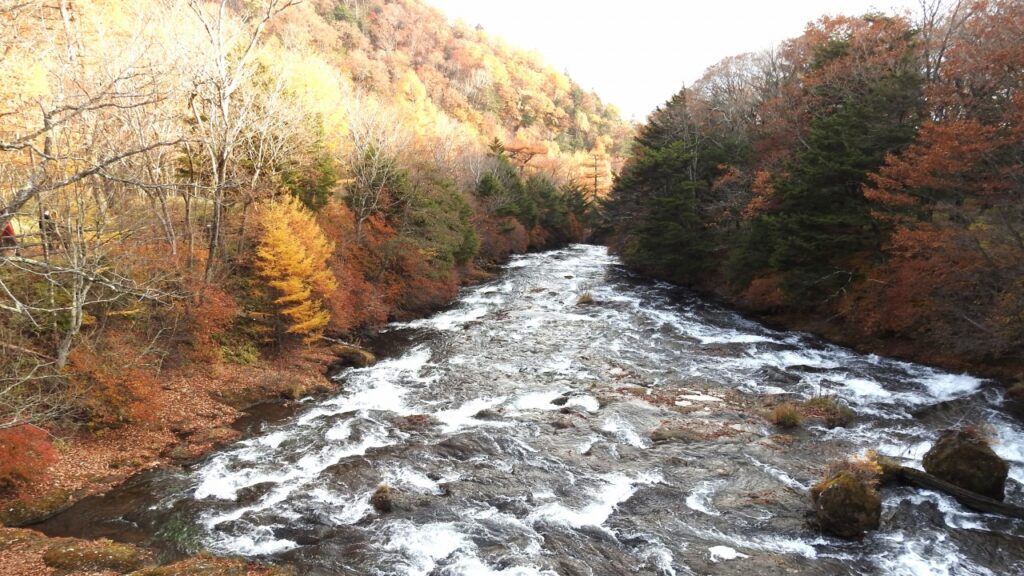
<point x="415" y="422"/>
<point x="670" y="432"/>
<point x="467" y="445"/>
<point x="560" y="401"/>
<point x="964" y="458"/>
<point x="1016" y="392"/>
<point x="383" y="499"/>
<point x="488" y="414"/>
<point x="846" y="506"/>
<point x="251" y="494"/>
<point x="348" y="356"/>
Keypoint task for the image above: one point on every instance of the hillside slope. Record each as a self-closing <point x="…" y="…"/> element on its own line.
<point x="191" y="183"/>
<point x="863" y="181"/>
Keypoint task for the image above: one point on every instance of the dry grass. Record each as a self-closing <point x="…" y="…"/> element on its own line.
<point x="786" y="415"/>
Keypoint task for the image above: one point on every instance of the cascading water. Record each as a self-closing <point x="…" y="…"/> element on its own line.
<point x="514" y="429"/>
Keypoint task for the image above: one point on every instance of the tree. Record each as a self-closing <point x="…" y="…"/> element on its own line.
<point x="219" y="110"/>
<point x="656" y="200"/>
<point x="378" y="184"/>
<point x="291" y="257"/>
<point x="867" y="92"/>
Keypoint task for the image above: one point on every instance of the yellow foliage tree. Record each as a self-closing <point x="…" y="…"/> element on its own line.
<point x="292" y="258"/>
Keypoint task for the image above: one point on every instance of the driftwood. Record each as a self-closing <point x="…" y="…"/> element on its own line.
<point x="892" y="471"/>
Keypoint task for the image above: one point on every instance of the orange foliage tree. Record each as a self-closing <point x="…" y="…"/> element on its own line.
<point x="291" y="257"/>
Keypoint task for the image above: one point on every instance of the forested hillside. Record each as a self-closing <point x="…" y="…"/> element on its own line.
<point x="185" y="184"/>
<point x="865" y="180"/>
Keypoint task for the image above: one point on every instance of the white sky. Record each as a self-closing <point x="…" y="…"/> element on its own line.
<point x="637" y="53"/>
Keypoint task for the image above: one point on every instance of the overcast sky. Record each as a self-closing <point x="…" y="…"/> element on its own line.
<point x="637" y="53"/>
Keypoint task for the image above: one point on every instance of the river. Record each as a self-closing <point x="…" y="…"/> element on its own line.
<point x="515" y="430"/>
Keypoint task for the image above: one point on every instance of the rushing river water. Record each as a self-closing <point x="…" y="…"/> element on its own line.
<point x="515" y="431"/>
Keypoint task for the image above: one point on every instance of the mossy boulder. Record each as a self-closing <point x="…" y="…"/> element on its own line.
<point x="383" y="499"/>
<point x="965" y="459"/>
<point x="348" y="356"/>
<point x="25" y="512"/>
<point x="96" y="556"/>
<point x="846" y="505"/>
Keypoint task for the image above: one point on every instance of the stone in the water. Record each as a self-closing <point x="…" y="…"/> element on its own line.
<point x="348" y="356"/>
<point x="415" y="422"/>
<point x="964" y="458"/>
<point x="560" y="401"/>
<point x="670" y="432"/>
<point x="846" y="505"/>
<point x="251" y="494"/>
<point x="488" y="414"/>
<point x="383" y="499"/>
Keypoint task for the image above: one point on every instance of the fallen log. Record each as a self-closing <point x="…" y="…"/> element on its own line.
<point x="892" y="471"/>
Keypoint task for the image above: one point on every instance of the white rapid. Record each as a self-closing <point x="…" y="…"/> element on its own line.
<point x="516" y="429"/>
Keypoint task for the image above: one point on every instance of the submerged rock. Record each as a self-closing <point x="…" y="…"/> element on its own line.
<point x="670" y="432"/>
<point x="252" y="494"/>
<point x="846" y="505"/>
<point x="415" y="422"/>
<point x="964" y="458"/>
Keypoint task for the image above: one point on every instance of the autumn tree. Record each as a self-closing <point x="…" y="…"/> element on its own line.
<point x="291" y="257"/>
<point x="954" y="197"/>
<point x="865" y="87"/>
<point x="220" y="109"/>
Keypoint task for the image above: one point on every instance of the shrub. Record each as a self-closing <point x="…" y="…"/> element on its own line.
<point x="864" y="468"/>
<point x="25" y="453"/>
<point x="585" y="299"/>
<point x="109" y="385"/>
<point x="829" y="410"/>
<point x="786" y="415"/>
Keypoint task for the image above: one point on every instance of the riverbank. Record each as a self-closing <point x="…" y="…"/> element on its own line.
<point x="1007" y="370"/>
<point x="192" y="414"/>
<point x="196" y="409"/>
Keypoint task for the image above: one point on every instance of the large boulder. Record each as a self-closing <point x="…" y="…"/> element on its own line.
<point x="964" y="458"/>
<point x="847" y="505"/>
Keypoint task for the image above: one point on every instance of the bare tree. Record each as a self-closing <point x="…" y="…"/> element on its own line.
<point x="221" y="110"/>
<point x="377" y="140"/>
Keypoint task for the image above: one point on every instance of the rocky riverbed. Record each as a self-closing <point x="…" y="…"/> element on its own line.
<point x="526" y="431"/>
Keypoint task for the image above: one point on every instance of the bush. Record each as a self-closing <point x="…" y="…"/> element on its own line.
<point x="829" y="410"/>
<point x="865" y="468"/>
<point x="108" y="385"/>
<point x="786" y="415"/>
<point x="25" y="453"/>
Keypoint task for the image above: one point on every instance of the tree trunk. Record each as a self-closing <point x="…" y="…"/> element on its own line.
<point x="905" y="476"/>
